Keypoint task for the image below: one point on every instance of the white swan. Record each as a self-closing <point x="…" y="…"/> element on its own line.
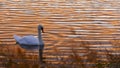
<point x="31" y="43"/>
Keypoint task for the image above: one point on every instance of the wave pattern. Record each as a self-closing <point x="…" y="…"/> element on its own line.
<point x="67" y="23"/>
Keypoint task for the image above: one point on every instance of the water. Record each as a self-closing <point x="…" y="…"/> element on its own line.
<point x="66" y="23"/>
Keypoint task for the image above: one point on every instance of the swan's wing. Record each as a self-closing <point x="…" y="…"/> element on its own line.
<point x="29" y="40"/>
<point x="17" y="38"/>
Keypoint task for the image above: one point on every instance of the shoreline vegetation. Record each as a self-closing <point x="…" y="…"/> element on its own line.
<point x="88" y="58"/>
<point x="78" y="33"/>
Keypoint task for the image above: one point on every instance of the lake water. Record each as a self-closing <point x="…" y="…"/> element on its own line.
<point x="66" y="23"/>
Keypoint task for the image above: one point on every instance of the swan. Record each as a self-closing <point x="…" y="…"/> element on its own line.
<point x="30" y="42"/>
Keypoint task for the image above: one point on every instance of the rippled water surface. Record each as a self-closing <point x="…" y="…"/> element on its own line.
<point x="66" y="23"/>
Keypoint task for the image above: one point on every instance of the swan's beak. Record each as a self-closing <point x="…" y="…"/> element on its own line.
<point x="42" y="30"/>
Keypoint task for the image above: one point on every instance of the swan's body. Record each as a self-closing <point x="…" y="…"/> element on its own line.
<point x="28" y="42"/>
<point x="31" y="43"/>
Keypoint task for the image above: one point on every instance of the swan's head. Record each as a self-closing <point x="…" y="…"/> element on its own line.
<point x="40" y="27"/>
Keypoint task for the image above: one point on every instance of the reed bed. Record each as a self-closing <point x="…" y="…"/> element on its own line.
<point x="17" y="58"/>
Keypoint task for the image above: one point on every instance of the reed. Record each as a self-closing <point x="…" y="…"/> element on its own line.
<point x="17" y="58"/>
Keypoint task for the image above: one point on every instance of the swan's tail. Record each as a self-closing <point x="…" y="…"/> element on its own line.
<point x="17" y="38"/>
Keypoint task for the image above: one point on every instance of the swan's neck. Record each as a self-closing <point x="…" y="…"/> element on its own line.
<point x="39" y="36"/>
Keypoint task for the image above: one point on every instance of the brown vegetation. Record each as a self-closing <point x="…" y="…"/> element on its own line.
<point x="18" y="58"/>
